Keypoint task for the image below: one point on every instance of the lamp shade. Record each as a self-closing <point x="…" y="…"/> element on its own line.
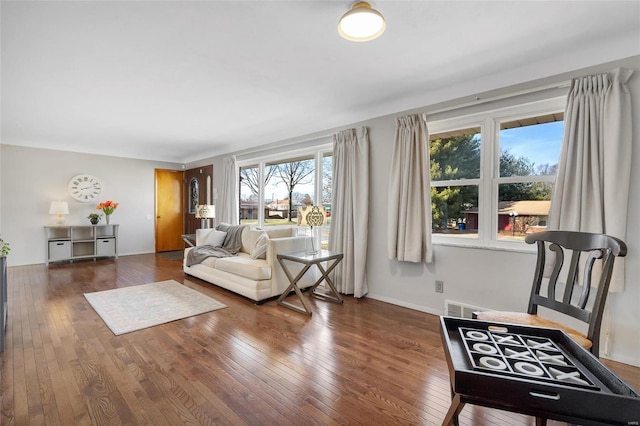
<point x="311" y="215"/>
<point x="361" y="23"/>
<point x="205" y="211"/>
<point x="59" y="207"/>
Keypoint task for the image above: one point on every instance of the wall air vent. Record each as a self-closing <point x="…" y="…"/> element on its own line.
<point x="461" y="310"/>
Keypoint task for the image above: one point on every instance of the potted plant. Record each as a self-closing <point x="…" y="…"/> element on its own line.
<point x="94" y="218"/>
<point x="4" y="248"/>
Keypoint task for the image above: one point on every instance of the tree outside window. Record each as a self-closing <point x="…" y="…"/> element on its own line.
<point x="455" y="162"/>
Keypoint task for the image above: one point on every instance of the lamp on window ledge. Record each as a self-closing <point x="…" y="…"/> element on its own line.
<point x="204" y="212"/>
<point x="59" y="208"/>
<point x="311" y="216"/>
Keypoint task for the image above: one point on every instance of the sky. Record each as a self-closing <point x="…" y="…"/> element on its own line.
<point x="540" y="143"/>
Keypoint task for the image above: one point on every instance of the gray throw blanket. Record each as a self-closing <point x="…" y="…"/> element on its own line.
<point x="233" y="240"/>
<point x="230" y="247"/>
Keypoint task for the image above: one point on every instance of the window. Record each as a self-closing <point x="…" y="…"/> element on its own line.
<point x="272" y="188"/>
<point x="455" y="179"/>
<point x="327" y="192"/>
<point x="249" y="194"/>
<point x="492" y="173"/>
<point x="529" y="152"/>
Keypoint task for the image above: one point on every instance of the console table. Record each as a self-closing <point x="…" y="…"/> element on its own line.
<point x="308" y="260"/>
<point x="75" y="242"/>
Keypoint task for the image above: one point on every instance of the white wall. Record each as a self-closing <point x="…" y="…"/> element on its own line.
<point x="32" y="178"/>
<point x="495" y="279"/>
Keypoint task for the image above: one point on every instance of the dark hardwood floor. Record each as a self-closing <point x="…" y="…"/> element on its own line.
<point x="363" y="362"/>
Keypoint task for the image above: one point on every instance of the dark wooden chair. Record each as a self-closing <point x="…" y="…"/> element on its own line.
<point x="583" y="251"/>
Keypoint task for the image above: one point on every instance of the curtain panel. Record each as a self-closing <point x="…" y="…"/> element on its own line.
<point x="592" y="185"/>
<point x="409" y="218"/>
<point x="229" y="192"/>
<point x="350" y="210"/>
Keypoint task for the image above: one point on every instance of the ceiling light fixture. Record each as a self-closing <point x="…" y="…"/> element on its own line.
<point x="361" y="23"/>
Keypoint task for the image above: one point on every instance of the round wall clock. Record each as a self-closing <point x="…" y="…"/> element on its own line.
<point x="85" y="188"/>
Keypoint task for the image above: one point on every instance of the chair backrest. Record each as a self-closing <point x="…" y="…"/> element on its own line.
<point x="582" y="250"/>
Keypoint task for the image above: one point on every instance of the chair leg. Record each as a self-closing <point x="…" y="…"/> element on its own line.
<point x="541" y="422"/>
<point x="452" y="415"/>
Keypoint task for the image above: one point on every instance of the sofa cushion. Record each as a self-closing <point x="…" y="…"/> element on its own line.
<point x="210" y="262"/>
<point x="249" y="238"/>
<point x="245" y="266"/>
<point x="260" y="250"/>
<point x="215" y="238"/>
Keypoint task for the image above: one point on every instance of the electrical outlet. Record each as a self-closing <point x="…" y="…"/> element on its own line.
<point x="439" y="286"/>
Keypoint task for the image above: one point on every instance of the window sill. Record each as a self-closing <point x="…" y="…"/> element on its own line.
<point x="498" y="245"/>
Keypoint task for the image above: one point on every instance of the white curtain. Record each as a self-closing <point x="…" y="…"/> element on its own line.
<point x="229" y="193"/>
<point x="592" y="186"/>
<point x="409" y="219"/>
<point x="350" y="210"/>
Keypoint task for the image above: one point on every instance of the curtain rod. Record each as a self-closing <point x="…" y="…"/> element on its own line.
<point x="319" y="137"/>
<point x="268" y="147"/>
<point x="481" y="101"/>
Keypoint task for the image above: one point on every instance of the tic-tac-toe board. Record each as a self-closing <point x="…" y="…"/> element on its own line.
<point x="532" y="357"/>
<point x="537" y="371"/>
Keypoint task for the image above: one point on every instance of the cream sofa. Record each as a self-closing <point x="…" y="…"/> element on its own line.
<point x="257" y="279"/>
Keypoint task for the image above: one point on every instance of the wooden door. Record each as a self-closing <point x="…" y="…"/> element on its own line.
<point x="169" y="210"/>
<point x="197" y="190"/>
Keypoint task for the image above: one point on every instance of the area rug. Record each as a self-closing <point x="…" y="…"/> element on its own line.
<point x="134" y="308"/>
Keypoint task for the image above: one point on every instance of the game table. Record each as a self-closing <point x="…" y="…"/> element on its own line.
<point x="534" y="371"/>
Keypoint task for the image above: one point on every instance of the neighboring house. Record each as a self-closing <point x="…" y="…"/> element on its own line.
<point x="248" y="210"/>
<point x="274" y="209"/>
<point x="527" y="216"/>
<point x="277" y="209"/>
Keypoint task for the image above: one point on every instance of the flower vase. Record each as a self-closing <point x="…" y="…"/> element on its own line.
<point x="108" y="218"/>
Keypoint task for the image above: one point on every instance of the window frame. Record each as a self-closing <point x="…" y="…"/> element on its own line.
<point x="317" y="153"/>
<point x="488" y="183"/>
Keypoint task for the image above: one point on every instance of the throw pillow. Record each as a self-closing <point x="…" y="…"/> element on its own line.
<point x="260" y="250"/>
<point x="215" y="238"/>
<point x="249" y="239"/>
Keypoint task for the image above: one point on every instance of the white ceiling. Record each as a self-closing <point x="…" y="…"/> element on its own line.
<point x="181" y="81"/>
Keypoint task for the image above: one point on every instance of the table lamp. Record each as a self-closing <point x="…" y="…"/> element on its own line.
<point x="204" y="212"/>
<point x="311" y="216"/>
<point x="59" y="208"/>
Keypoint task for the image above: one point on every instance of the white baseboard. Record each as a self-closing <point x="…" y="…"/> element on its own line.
<point x="405" y="304"/>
